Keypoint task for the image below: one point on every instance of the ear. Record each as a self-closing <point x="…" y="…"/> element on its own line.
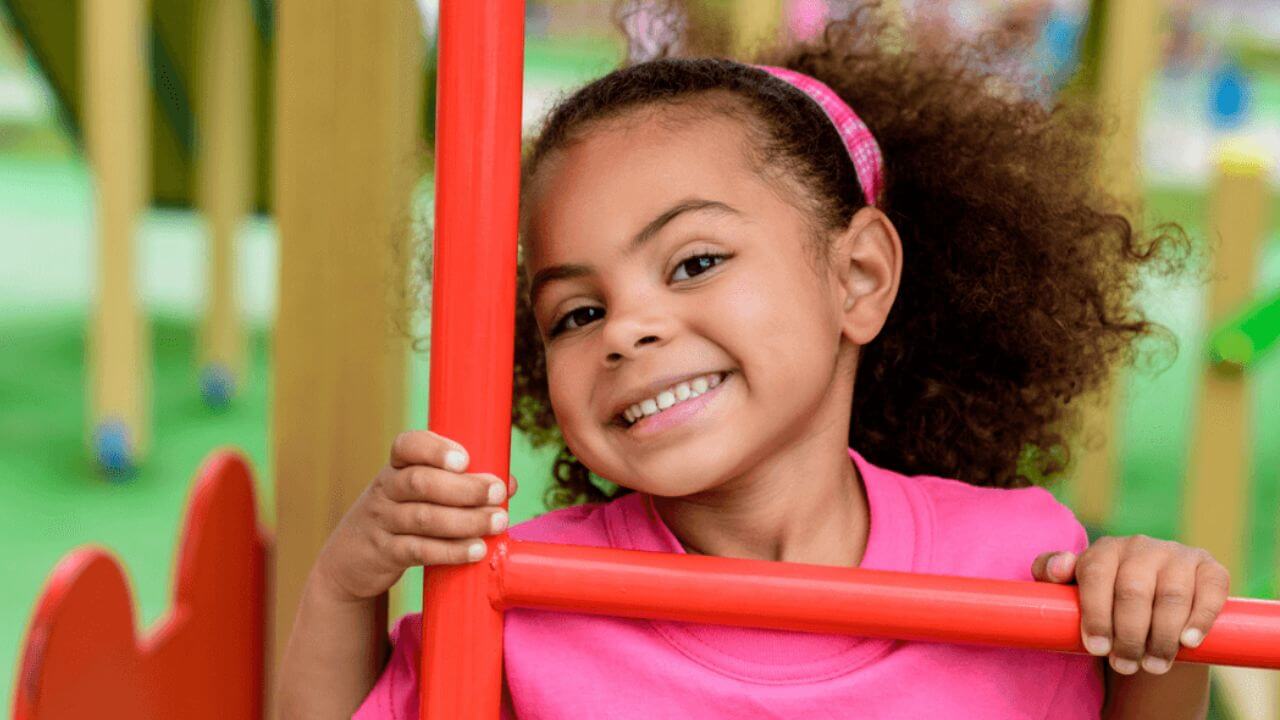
<point x="867" y="262"/>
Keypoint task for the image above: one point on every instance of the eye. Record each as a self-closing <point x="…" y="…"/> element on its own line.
<point x="698" y="264"/>
<point x="581" y="316"/>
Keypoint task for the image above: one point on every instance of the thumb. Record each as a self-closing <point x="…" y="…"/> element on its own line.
<point x="1059" y="567"/>
<point x="512" y="485"/>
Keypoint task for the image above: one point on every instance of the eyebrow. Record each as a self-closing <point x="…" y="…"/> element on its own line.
<point x="573" y="270"/>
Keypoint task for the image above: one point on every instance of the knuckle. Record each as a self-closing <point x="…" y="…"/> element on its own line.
<point x="414" y="554"/>
<point x="400" y="445"/>
<point x="426" y="518"/>
<point x="418" y="482"/>
<point x="1218" y="576"/>
<point x="1106" y="543"/>
<point x="1173" y="595"/>
<point x="1133" y="590"/>
<point x="1090" y="573"/>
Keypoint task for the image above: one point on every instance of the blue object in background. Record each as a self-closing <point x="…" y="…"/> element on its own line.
<point x="1229" y="95"/>
<point x="1060" y="46"/>
<point x="217" y="385"/>
<point x="112" y="449"/>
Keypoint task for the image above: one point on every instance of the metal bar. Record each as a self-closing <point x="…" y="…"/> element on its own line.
<point x="481" y="53"/>
<point x="817" y="598"/>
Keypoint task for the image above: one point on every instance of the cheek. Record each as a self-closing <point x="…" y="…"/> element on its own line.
<point x="779" y="324"/>
<point x="566" y="391"/>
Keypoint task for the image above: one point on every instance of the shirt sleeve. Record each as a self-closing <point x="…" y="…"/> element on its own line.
<point x="395" y="694"/>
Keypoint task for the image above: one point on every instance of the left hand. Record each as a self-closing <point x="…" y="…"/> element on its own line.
<point x="1140" y="598"/>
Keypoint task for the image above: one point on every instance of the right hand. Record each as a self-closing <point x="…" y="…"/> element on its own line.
<point x="419" y="510"/>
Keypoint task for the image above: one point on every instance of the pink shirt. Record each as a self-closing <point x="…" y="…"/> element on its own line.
<point x="568" y="665"/>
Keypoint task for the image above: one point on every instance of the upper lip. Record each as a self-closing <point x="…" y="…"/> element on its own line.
<point x="645" y="392"/>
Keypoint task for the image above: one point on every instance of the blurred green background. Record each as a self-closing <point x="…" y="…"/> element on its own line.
<point x="53" y="498"/>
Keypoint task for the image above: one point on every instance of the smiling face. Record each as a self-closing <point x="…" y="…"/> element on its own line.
<point x="659" y="254"/>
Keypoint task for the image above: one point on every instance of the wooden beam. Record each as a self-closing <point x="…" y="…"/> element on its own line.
<point x="116" y="128"/>
<point x="1130" y="51"/>
<point x="346" y="155"/>
<point x="1215" y="510"/>
<point x="225" y="175"/>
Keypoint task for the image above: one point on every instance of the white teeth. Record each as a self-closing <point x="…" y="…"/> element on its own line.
<point x="669" y="397"/>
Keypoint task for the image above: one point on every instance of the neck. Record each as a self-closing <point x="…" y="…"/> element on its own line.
<point x="805" y="504"/>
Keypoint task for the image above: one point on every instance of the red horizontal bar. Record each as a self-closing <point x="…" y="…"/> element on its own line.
<point x="825" y="599"/>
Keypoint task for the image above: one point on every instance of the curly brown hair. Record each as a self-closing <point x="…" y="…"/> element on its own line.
<point x="1019" y="274"/>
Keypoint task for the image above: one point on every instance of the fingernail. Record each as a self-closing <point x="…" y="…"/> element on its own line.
<point x="497" y="493"/>
<point x="1058" y="565"/>
<point x="455" y="460"/>
<point x="1124" y="666"/>
<point x="498" y="522"/>
<point x="1155" y="665"/>
<point x="476" y="551"/>
<point x="1097" y="645"/>
<point x="1191" y="637"/>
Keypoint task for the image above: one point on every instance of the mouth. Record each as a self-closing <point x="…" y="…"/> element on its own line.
<point x="670" y="398"/>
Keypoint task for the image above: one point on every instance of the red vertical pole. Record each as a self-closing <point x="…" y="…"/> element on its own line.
<point x="473" y="314"/>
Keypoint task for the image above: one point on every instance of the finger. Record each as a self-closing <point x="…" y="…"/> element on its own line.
<point x="410" y="550"/>
<point x="442" y="521"/>
<point x="423" y="447"/>
<point x="1059" y="567"/>
<point x="1213" y="584"/>
<point x="432" y="485"/>
<point x="1096" y="576"/>
<point x="512" y="485"/>
<point x="1175" y="588"/>
<point x="1135" y="592"/>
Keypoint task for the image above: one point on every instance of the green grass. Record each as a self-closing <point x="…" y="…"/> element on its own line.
<point x="53" y="499"/>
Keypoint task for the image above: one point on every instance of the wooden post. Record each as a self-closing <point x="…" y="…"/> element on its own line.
<point x="1130" y="51"/>
<point x="346" y="155"/>
<point x="225" y="176"/>
<point x="1215" y="507"/>
<point x="116" y="128"/>
<point x="1217" y="491"/>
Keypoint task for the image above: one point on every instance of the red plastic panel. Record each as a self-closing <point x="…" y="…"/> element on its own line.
<point x="203" y="660"/>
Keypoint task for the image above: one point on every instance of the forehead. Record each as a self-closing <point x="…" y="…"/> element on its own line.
<point x="623" y="172"/>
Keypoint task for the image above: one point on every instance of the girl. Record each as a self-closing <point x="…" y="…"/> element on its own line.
<point x="774" y="312"/>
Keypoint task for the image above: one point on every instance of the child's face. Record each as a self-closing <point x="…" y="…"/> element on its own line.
<point x="625" y="215"/>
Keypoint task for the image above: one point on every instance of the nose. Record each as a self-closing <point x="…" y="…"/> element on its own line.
<point x="626" y="334"/>
<point x="614" y="357"/>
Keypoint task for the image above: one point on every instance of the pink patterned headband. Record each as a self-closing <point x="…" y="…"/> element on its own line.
<point x="858" y="140"/>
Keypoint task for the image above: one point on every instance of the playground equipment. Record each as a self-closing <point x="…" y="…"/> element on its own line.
<point x="204" y="659"/>
<point x="462" y="644"/>
<point x="316" y="476"/>
<point x="224" y="183"/>
<point x="114" y="70"/>
<point x="115" y="115"/>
